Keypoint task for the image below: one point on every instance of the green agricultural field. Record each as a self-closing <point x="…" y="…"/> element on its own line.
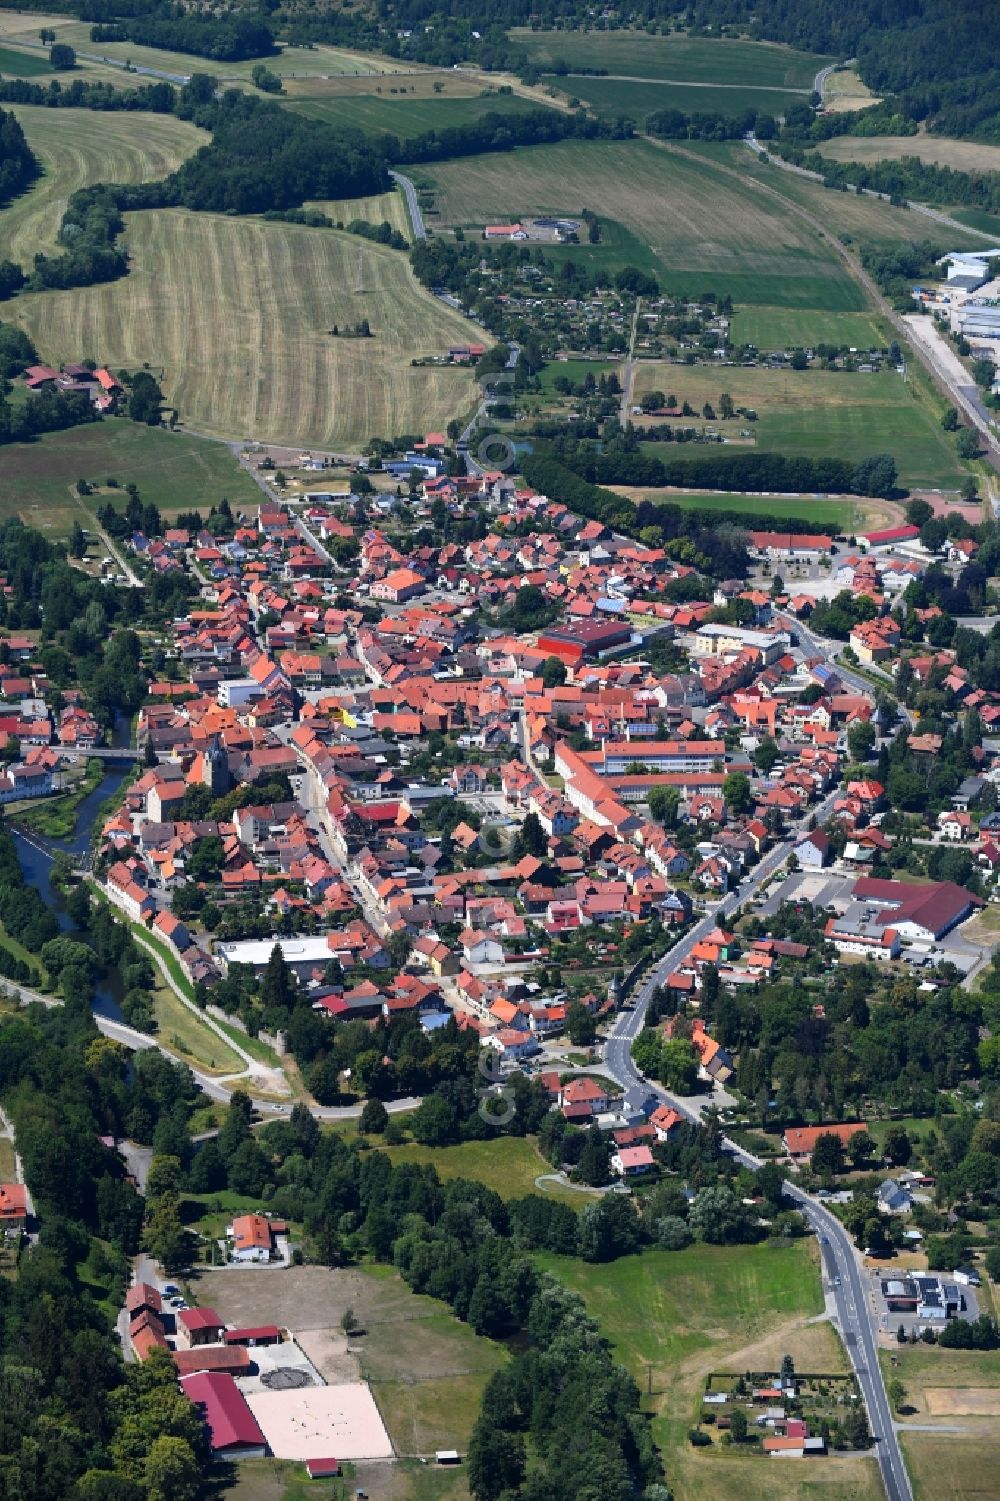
<point x="703" y="229"/>
<point x="799" y="328"/>
<point x="823" y="414"/>
<point x="406" y="118"/>
<point x="174" y="470"/>
<point x="987" y="224"/>
<point x="681" y="58"/>
<point x="261" y="309"/>
<point x="78" y="147"/>
<point x="610" y="97"/>
<point x="24" y="64"/>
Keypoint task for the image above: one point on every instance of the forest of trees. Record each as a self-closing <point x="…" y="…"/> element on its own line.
<point x="18" y="167"/>
<point x="621" y="462"/>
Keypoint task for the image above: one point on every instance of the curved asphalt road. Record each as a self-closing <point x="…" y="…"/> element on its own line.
<point x="841" y="1262"/>
<point x="410" y="193"/>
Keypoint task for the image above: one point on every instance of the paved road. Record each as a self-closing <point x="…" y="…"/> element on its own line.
<point x="113" y="62"/>
<point x="840" y="1258"/>
<point x="410" y="193"/>
<point x="820" y="647"/>
<point x="688" y="83"/>
<point x="819" y="82"/>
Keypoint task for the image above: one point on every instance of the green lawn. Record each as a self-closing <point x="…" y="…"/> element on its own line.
<point x="174" y="470"/>
<point x="181" y="1029"/>
<point x="6" y="1160"/>
<point x="663" y="1306"/>
<point x="686" y="58"/>
<point x="611" y="97"/>
<point x="572" y="370"/>
<point x="798" y="328"/>
<point x="508" y="1164"/>
<point x="25" y="64"/>
<point x="405" y="118"/>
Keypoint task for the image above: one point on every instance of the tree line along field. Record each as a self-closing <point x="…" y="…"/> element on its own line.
<point x="377" y="208"/>
<point x="703" y="229"/>
<point x="238" y="312"/>
<point x="319" y="60"/>
<point x="678" y="58"/>
<point x="838" y="515"/>
<point x="821" y="414"/>
<point x="176" y="471"/>
<point x="79" y="147"/>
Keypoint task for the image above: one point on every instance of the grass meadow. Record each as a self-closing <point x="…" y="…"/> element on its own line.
<point x="682" y="58"/>
<point x="798" y="328"/>
<point x="672" y="1317"/>
<point x="24" y="64"/>
<point x="956" y="1466"/>
<point x="823" y="414"/>
<point x="261" y="309"/>
<point x="405" y="117"/>
<point x="964" y="156"/>
<point x="176" y="471"/>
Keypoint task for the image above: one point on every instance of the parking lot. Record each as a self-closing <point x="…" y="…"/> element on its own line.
<point x="917" y="1301"/>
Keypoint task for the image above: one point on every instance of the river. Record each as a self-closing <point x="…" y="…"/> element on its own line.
<point x="36" y="865"/>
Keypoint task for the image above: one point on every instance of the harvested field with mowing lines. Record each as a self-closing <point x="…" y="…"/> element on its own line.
<point x="681" y="58"/>
<point x="821" y="414"/>
<point x="375" y="209"/>
<point x="964" y="156"/>
<point x="704" y="230"/>
<point x="405" y="118"/>
<point x="610" y="97"/>
<point x="260" y="308"/>
<point x="176" y="471"/>
<point x="78" y="147"/>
